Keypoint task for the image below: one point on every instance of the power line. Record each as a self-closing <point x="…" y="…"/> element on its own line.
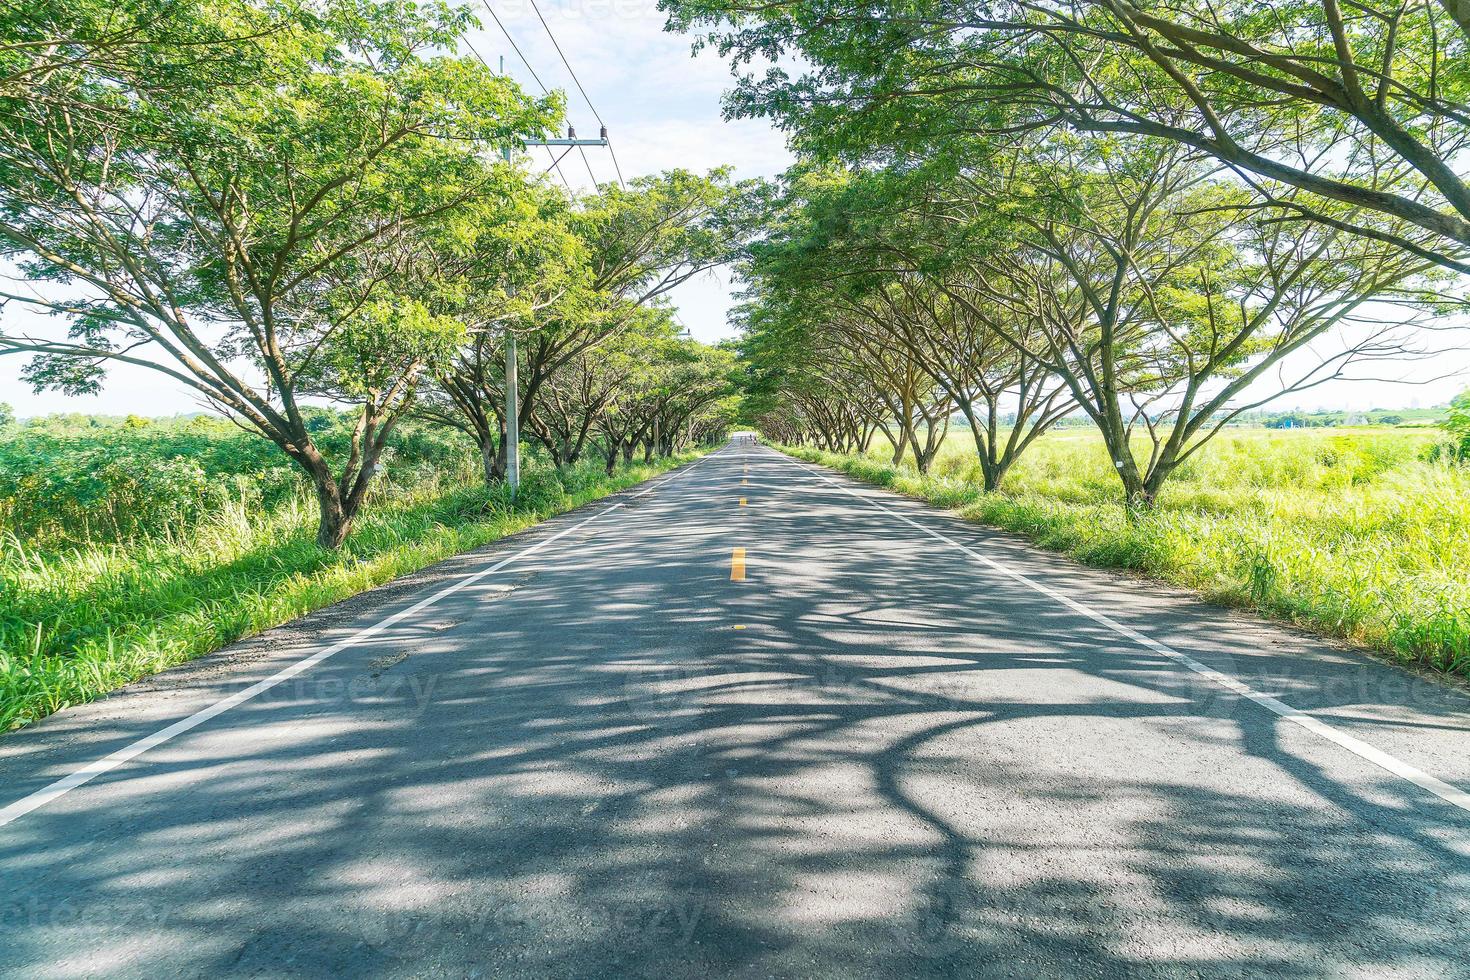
<point x="518" y="51"/>
<point x="617" y="169"/>
<point x="557" y="45"/>
<point x="597" y="115"/>
<point x="555" y="161"/>
<point x="545" y="91"/>
<point x="556" y="165"/>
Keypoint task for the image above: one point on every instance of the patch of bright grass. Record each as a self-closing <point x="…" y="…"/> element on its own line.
<point x="1350" y="532"/>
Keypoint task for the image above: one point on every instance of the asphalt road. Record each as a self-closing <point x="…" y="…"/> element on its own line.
<point x="878" y="742"/>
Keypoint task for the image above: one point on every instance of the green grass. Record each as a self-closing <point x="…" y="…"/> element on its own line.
<point x="78" y="481"/>
<point x="1349" y="532"/>
<point x="79" y="621"/>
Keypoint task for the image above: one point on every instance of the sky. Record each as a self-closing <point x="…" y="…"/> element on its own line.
<point x="662" y="107"/>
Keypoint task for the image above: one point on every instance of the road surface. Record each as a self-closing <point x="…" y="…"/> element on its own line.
<point x="750" y="720"/>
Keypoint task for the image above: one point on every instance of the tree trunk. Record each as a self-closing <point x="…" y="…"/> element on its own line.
<point x="1141" y="490"/>
<point x="924" y="456"/>
<point x="1141" y="501"/>
<point x="1138" y="496"/>
<point x="334" y="515"/>
<point x="1153" y="485"/>
<point x="577" y="448"/>
<point x="992" y="475"/>
<point x="334" y="521"/>
<point x="901" y="445"/>
<point x="492" y="461"/>
<point x="502" y="461"/>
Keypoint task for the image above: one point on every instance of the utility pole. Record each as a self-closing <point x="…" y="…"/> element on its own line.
<point x="512" y="415"/>
<point x="512" y="385"/>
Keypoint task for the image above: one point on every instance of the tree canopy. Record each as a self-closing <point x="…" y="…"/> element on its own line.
<point x="287" y="204"/>
<point x="1362" y="109"/>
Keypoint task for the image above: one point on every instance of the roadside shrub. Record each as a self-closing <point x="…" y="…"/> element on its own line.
<point x="77" y="481"/>
<point x="1455" y="453"/>
<point x="104" y="492"/>
<point x="541" y="489"/>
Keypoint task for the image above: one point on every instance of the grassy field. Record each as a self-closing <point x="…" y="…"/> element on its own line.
<point x="131" y="547"/>
<point x="1353" y="532"/>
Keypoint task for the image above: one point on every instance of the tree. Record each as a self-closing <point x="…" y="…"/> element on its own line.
<point x="798" y="380"/>
<point x="1358" y="110"/>
<point x="577" y="395"/>
<point x="674" y="387"/>
<point x="258" y="243"/>
<point x="1165" y="305"/>
<point x="695" y="379"/>
<point x="516" y="266"/>
<point x="627" y="416"/>
<point x="68" y="52"/>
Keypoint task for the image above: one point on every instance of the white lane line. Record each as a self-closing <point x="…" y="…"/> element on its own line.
<point x="1358" y="747"/>
<point x="92" y="770"/>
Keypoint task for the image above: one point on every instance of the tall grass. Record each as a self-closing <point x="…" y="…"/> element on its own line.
<point x="1352" y="532"/>
<point x="79" y="621"/>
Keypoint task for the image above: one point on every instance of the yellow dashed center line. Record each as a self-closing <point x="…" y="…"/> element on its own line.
<point x="737" y="565"/>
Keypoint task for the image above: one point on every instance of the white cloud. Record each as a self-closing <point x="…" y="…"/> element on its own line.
<point x="662" y="106"/>
<point x="751" y="148"/>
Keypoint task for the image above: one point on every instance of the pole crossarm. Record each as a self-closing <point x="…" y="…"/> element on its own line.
<point x="602" y="141"/>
